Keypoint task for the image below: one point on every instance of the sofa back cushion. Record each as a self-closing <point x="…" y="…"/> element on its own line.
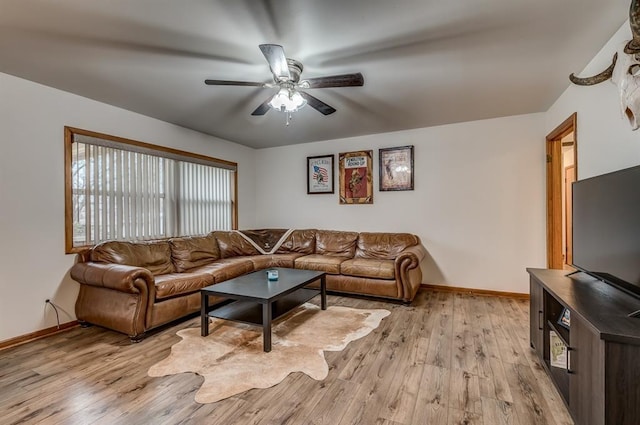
<point x="154" y="256"/>
<point x="193" y="251"/>
<point x="336" y="243"/>
<point x="266" y="239"/>
<point x="300" y="240"/>
<point x="384" y="246"/>
<point x="232" y="244"/>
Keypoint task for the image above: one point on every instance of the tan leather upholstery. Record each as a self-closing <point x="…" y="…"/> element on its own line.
<point x="322" y="263"/>
<point x="120" y="311"/>
<point x="362" y="286"/>
<point x="131" y="279"/>
<point x="261" y="262"/>
<point x="384" y="246"/>
<point x="195" y="251"/>
<point x="169" y="309"/>
<point x="172" y="284"/>
<point x="232" y="244"/>
<point x="370" y="286"/>
<point x="154" y="256"/>
<point x="228" y="268"/>
<point x="133" y="287"/>
<point x="302" y="241"/>
<point x="364" y="267"/>
<point x="408" y="272"/>
<point x="336" y="244"/>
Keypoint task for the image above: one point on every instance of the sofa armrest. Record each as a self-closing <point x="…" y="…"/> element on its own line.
<point x="115" y="296"/>
<point x="408" y="273"/>
<point x="411" y="257"/>
<point x="129" y="279"/>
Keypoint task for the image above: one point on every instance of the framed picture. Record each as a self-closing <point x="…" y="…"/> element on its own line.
<point x="356" y="177"/>
<point x="557" y="351"/>
<point x="396" y="168"/>
<point x="320" y="174"/>
<point x="565" y="318"/>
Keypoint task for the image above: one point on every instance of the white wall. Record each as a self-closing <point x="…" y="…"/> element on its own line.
<point x="478" y="203"/>
<point x="605" y="140"/>
<point x="33" y="265"/>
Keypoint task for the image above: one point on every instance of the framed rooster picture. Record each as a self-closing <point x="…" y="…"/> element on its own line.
<point x="320" y="174"/>
<point x="356" y="177"/>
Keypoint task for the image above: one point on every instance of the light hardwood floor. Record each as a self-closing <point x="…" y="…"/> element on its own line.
<point x="449" y="358"/>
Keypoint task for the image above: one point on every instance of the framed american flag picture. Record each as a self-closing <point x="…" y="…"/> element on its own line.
<point x="320" y="174"/>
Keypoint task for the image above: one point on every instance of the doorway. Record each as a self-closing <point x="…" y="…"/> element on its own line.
<point x="562" y="171"/>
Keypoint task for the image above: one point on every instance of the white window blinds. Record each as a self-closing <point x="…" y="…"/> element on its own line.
<point x="130" y="194"/>
<point x="204" y="198"/>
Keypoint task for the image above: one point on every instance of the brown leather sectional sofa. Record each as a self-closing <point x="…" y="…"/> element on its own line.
<point x="132" y="287"/>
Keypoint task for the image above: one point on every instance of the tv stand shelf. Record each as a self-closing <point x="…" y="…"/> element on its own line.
<point x="600" y="382"/>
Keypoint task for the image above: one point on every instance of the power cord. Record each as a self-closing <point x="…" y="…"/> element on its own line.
<point x="54" y="309"/>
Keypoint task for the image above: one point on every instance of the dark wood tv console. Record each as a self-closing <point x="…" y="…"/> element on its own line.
<point x="601" y="381"/>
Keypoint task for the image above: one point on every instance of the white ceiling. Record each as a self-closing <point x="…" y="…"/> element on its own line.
<point x="425" y="62"/>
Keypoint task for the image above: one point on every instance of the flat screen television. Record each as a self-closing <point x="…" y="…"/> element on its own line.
<point x="606" y="228"/>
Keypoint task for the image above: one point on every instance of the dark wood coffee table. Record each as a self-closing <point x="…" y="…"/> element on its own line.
<point x="260" y="301"/>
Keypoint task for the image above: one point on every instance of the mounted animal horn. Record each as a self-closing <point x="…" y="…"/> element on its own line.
<point x="596" y="79"/>
<point x="624" y="71"/>
<point x="633" y="46"/>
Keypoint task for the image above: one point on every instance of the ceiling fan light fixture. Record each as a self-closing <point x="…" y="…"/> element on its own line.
<point x="287" y="100"/>
<point x="286" y="76"/>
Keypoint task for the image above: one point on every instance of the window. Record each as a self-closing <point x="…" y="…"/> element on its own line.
<point x="118" y="189"/>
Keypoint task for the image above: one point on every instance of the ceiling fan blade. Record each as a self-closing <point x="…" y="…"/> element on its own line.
<point x="317" y="104"/>
<point x="233" y="83"/>
<point x="263" y="108"/>
<point x="345" y="80"/>
<point x="274" y="53"/>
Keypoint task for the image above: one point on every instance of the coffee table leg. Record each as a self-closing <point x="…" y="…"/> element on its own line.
<point x="204" y="316"/>
<point x="323" y="292"/>
<point x="266" y="326"/>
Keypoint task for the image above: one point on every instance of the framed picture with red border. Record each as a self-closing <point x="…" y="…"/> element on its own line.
<point x="356" y="177"/>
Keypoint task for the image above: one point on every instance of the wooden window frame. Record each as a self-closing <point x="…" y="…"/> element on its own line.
<point x="70" y="132"/>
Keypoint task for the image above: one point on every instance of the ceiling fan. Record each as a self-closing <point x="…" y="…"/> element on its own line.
<point x="286" y="76"/>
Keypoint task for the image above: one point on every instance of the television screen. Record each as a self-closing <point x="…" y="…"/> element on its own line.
<point x="606" y="228"/>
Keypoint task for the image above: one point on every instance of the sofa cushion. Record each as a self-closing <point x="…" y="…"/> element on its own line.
<point x="174" y="284"/>
<point x="336" y="243"/>
<point x="266" y="239"/>
<point x="193" y="251"/>
<point x="154" y="256"/>
<point x="261" y="262"/>
<point x="227" y="268"/>
<point x="322" y="263"/>
<point x="302" y="241"/>
<point x="364" y="267"/>
<point x="232" y="244"/>
<point x="385" y="246"/>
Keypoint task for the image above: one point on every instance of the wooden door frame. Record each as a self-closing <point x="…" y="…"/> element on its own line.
<point x="555" y="175"/>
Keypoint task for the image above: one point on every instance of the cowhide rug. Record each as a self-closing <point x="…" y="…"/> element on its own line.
<point x="231" y="358"/>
